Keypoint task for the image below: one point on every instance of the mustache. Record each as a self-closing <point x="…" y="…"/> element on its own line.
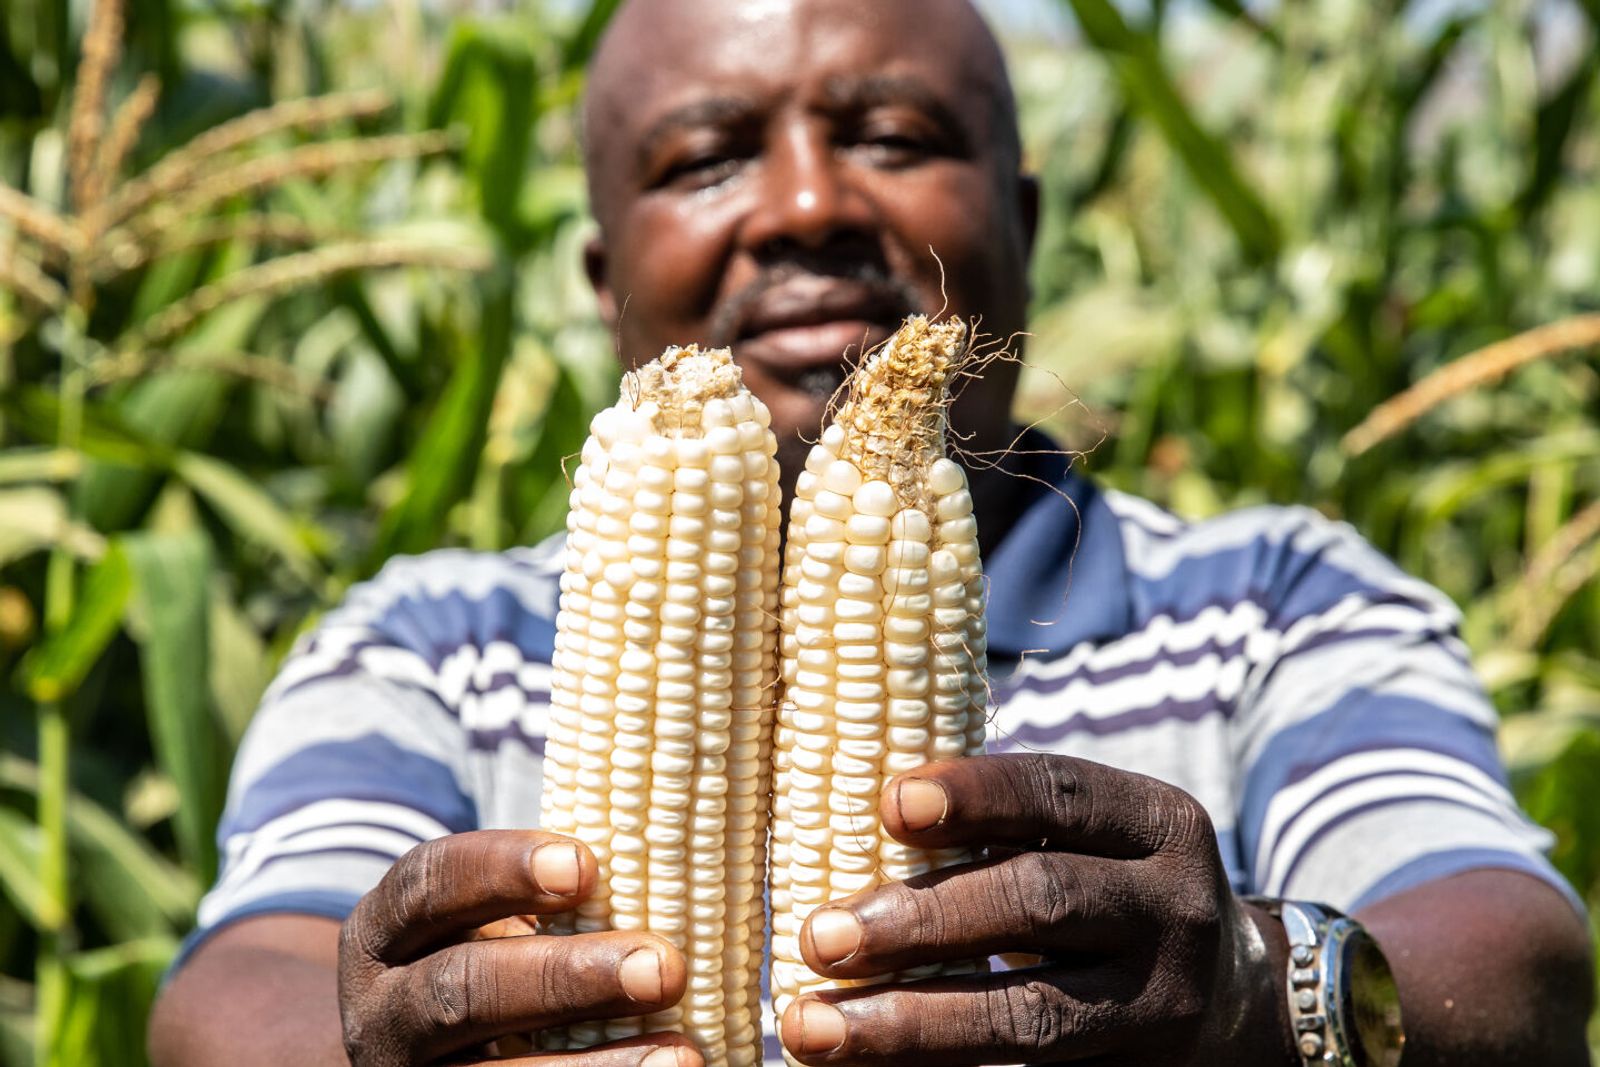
<point x="878" y="285"/>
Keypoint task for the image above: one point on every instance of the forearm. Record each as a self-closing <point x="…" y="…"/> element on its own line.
<point x="1493" y="969"/>
<point x="261" y="994"/>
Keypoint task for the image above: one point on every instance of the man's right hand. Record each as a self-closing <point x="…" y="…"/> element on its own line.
<point x="420" y="983"/>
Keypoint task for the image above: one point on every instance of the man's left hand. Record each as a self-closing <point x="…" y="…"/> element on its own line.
<point x="1111" y="879"/>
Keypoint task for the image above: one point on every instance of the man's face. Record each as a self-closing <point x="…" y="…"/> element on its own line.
<point x="792" y="177"/>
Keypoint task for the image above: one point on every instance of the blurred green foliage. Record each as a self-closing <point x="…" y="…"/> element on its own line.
<point x="1258" y="227"/>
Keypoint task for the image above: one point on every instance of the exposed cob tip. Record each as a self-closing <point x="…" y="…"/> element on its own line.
<point x="893" y="417"/>
<point x="676" y="387"/>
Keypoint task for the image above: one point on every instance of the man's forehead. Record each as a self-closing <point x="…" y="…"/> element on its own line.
<point x="666" y="54"/>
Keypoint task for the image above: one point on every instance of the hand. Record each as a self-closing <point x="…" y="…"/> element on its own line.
<point x="428" y="973"/>
<point x="1111" y="881"/>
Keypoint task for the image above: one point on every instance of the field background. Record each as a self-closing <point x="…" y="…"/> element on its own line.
<point x="236" y="376"/>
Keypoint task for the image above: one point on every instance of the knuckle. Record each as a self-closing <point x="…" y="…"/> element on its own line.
<point x="415" y="879"/>
<point x="558" y="977"/>
<point x="1029" y="1016"/>
<point x="1196" y="906"/>
<point x="1053" y="786"/>
<point x="446" y="998"/>
<point x="928" y="908"/>
<point x="1047" y="891"/>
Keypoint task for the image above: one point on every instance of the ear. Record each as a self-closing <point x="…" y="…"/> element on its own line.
<point x="595" y="264"/>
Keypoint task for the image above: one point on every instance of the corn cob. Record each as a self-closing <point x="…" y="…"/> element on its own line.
<point x="883" y="646"/>
<point x="659" y="741"/>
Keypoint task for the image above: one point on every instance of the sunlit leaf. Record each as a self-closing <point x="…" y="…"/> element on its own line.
<point x="58" y="666"/>
<point x="1136" y="58"/>
<point x="39" y="465"/>
<point x="106" y="989"/>
<point x="20" y="849"/>
<point x="168" y="617"/>
<point x="35" y="518"/>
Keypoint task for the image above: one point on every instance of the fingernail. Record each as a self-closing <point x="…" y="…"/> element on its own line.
<point x="835" y="933"/>
<point x="640" y="975"/>
<point x="557" y="869"/>
<point x="668" y="1056"/>
<point x="922" y="803"/>
<point x="822" y="1027"/>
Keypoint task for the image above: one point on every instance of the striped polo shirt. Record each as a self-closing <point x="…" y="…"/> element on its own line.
<point x="1317" y="701"/>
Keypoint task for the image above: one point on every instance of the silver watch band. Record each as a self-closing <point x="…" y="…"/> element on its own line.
<point x="1315" y="983"/>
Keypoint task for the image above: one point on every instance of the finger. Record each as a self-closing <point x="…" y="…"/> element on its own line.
<point x="1048" y="902"/>
<point x="1039" y="800"/>
<point x="441" y="890"/>
<point x="468" y="994"/>
<point x="1015" y="1017"/>
<point x="651" y="1050"/>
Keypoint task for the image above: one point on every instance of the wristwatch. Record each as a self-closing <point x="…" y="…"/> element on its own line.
<point x="1343" y="1003"/>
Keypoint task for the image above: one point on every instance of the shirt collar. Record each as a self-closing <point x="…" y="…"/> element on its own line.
<point x="1058" y="577"/>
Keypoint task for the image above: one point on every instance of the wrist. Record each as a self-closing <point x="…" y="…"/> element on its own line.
<point x="1340" y="993"/>
<point x="1264" y="1033"/>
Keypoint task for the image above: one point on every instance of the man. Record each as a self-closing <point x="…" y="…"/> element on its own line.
<point x="779" y="175"/>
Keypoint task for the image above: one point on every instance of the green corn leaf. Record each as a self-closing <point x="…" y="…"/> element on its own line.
<point x="1236" y="10"/>
<point x="538" y="487"/>
<point x="489" y="82"/>
<point x="1558" y="118"/>
<point x="58" y="666"/>
<point x="39" y="465"/>
<point x="174" y="410"/>
<point x="16" y="1034"/>
<point x="36" y="413"/>
<point x="240" y="667"/>
<point x="1135" y="58"/>
<point x="249" y="511"/>
<point x="133" y="890"/>
<point x="20" y="849"/>
<point x="35" y="518"/>
<point x="579" y="48"/>
<point x="169" y="411"/>
<point x="108" y="989"/>
<point x="1448" y="488"/>
<point x="444" y="462"/>
<point x="168" y="616"/>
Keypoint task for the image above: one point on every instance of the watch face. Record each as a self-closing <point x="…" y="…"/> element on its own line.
<point x="1370" y="1012"/>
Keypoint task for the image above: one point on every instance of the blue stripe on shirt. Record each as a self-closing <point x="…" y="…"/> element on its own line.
<point x="1360" y="721"/>
<point x="370" y="768"/>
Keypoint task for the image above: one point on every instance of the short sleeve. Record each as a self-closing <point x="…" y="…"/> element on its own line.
<point x="1365" y="741"/>
<point x="376" y="733"/>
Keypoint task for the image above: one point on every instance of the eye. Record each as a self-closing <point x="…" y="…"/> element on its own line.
<point x="700" y="170"/>
<point x="895" y="145"/>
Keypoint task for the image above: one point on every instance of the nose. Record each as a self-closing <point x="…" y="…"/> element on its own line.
<point x="806" y="197"/>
